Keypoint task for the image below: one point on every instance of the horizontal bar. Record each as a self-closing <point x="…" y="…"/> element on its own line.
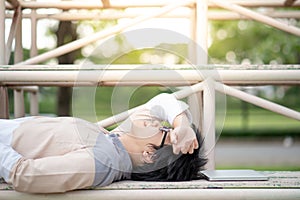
<point x="138" y="3"/>
<point x="182" y="77"/>
<point x="227" y="15"/>
<point x="70" y="16"/>
<point x="70" y="67"/>
<point x="212" y="15"/>
<point x="65" y="5"/>
<point x="33" y="89"/>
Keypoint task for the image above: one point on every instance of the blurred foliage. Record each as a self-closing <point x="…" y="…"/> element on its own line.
<point x="252" y="42"/>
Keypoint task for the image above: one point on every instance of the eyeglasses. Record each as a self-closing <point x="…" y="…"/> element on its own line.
<point x="165" y="131"/>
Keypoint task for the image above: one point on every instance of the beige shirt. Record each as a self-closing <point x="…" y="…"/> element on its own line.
<point x="60" y="154"/>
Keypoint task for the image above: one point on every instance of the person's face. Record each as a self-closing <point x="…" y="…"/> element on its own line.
<point x="151" y="132"/>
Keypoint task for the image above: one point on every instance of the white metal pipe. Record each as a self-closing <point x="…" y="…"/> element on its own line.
<point x="208" y="122"/>
<point x="101" y="83"/>
<point x="258" y="3"/>
<point x="221" y="67"/>
<point x="64" y="5"/>
<point x="103" y="34"/>
<point x="257" y="101"/>
<point x="19" y="109"/>
<point x="139" y="3"/>
<point x="12" y="33"/>
<point x="18" y="57"/>
<point x="126" y="76"/>
<point x="119" y="117"/>
<point x="34" y="103"/>
<point x="193" y="35"/>
<point x="4" y="113"/>
<point x="33" y="20"/>
<point x="102" y="16"/>
<point x="258" y="17"/>
<point x="227" y="15"/>
<point x="201" y="32"/>
<point x="2" y="33"/>
<point x="26" y="88"/>
<point x="211" y="15"/>
<point x="187" y="91"/>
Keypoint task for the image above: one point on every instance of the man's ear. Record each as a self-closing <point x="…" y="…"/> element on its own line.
<point x="148" y="154"/>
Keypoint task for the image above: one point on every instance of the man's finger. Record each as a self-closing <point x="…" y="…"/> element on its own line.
<point x="191" y="151"/>
<point x="196" y="144"/>
<point x="176" y="150"/>
<point x="173" y="137"/>
<point x="184" y="150"/>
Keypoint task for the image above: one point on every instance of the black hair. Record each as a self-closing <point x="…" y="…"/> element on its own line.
<point x="170" y="167"/>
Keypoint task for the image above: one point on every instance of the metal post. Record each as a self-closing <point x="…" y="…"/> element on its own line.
<point x="19" y="110"/>
<point x="201" y="32"/>
<point x="208" y="123"/>
<point x="33" y="49"/>
<point x="34" y="103"/>
<point x="3" y="90"/>
<point x="4" y="113"/>
<point x="202" y="103"/>
<point x="19" y="107"/>
<point x="195" y="100"/>
<point x="2" y="33"/>
<point x="18" y="38"/>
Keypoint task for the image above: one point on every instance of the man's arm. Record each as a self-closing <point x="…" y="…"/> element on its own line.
<point x="54" y="174"/>
<point x="168" y="108"/>
<point x="183" y="136"/>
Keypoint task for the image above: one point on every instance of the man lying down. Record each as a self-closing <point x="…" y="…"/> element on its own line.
<point x="59" y="154"/>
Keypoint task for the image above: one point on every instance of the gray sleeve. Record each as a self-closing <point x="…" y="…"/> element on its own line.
<point x="111" y="162"/>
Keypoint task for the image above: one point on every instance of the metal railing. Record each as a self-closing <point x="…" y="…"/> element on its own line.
<point x="14" y="75"/>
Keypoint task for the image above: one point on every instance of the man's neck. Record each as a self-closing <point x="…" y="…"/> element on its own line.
<point x="134" y="148"/>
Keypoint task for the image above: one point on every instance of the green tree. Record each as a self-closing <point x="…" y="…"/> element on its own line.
<point x="235" y="42"/>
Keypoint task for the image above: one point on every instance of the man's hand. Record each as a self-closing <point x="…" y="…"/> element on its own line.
<point x="183" y="139"/>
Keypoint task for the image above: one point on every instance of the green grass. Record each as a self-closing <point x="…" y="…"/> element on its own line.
<point x="259" y="122"/>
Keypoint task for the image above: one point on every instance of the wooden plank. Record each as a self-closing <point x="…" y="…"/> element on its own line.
<point x="277" y="180"/>
<point x="281" y="185"/>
